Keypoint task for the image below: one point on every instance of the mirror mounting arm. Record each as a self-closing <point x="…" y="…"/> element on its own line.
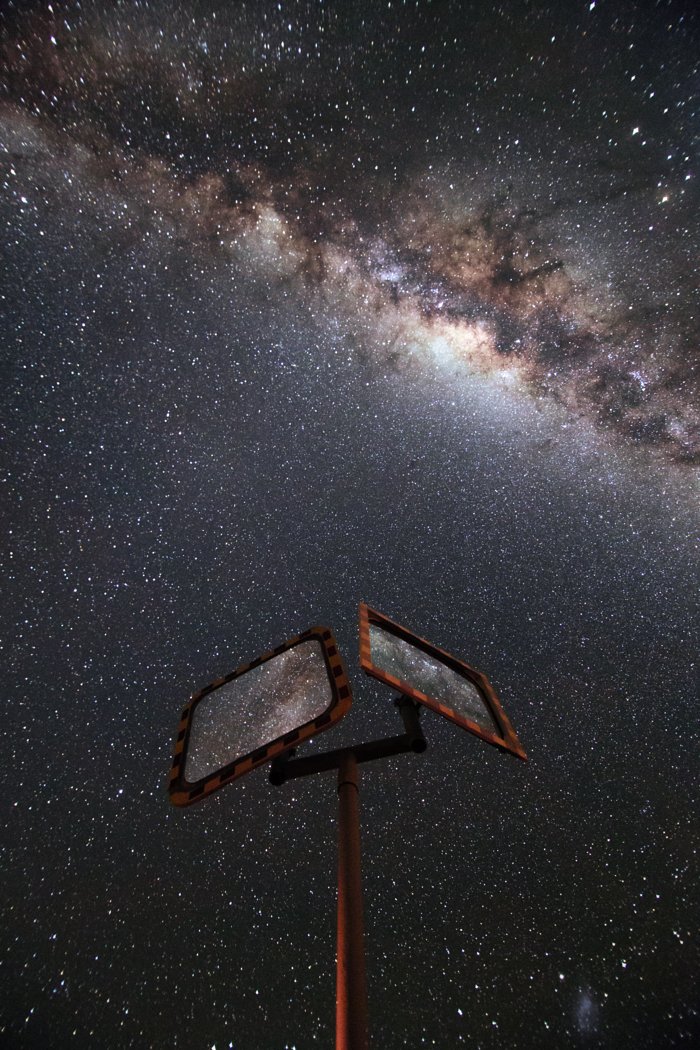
<point x="410" y="714"/>
<point x="286" y="767"/>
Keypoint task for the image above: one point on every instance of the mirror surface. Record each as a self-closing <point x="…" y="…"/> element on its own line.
<point x="429" y="675"/>
<point x="257" y="707"/>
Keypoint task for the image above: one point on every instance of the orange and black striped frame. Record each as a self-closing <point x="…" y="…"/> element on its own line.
<point x="507" y="740"/>
<point x="184" y="793"/>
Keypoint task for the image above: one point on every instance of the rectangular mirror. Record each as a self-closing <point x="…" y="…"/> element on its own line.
<point x="434" y="678"/>
<point x="256" y="708"/>
<point x="429" y="675"/>
<point x="257" y="713"/>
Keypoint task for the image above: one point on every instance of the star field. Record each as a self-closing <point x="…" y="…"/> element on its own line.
<point x="305" y="304"/>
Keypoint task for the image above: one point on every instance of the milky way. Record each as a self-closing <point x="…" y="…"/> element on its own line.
<point x="234" y="139"/>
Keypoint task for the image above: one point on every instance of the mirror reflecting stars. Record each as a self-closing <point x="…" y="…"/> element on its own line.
<point x="260" y="705"/>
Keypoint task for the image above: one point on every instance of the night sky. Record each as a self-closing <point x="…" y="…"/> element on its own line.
<point x="305" y="304"/>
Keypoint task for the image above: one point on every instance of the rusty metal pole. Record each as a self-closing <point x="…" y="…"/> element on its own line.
<point x="351" y="984"/>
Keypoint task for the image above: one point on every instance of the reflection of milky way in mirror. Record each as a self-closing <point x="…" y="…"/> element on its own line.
<point x="256" y="708"/>
<point x="423" y="672"/>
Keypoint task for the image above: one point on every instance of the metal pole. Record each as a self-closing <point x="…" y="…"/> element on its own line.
<point x="351" y="985"/>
